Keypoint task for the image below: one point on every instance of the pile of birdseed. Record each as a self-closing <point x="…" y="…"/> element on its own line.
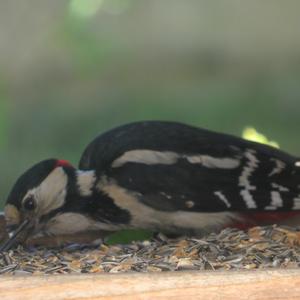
<point x="259" y="247"/>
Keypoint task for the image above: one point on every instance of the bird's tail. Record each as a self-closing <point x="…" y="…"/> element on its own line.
<point x="281" y="194"/>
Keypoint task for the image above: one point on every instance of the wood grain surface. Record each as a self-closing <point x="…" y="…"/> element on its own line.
<point x="225" y="285"/>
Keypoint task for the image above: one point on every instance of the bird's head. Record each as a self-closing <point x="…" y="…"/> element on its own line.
<point x="39" y="191"/>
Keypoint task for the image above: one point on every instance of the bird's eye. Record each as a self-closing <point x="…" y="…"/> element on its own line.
<point x="29" y="203"/>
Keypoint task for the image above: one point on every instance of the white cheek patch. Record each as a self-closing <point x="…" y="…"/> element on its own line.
<point x="51" y="193"/>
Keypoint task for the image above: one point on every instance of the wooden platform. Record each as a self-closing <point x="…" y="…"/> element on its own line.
<point x="229" y="285"/>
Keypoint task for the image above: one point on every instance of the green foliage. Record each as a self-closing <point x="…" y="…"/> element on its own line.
<point x="251" y="134"/>
<point x="126" y="236"/>
<point x="88" y="53"/>
<point x="84" y="8"/>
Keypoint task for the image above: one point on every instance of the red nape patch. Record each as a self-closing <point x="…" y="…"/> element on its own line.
<point x="62" y="163"/>
<point x="263" y="218"/>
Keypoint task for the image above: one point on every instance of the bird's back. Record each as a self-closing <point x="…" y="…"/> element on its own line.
<point x="167" y="136"/>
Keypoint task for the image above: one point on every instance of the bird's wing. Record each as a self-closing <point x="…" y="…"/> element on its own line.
<point x="177" y="167"/>
<point x="203" y="183"/>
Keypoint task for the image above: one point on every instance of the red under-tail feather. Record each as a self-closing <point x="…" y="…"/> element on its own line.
<point x="264" y="218"/>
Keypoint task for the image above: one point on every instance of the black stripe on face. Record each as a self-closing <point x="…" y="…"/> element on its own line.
<point x="98" y="207"/>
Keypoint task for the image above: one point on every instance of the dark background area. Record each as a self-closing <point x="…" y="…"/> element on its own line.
<point x="72" y="69"/>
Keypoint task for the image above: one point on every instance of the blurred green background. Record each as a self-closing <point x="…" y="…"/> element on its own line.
<point x="72" y="69"/>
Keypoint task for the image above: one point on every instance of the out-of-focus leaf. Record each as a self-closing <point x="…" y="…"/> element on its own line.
<point x="84" y="8"/>
<point x="250" y="133"/>
<point x="126" y="236"/>
<point x="116" y="7"/>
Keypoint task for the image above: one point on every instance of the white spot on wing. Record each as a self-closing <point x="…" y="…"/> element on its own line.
<point x="276" y="201"/>
<point x="279" y="166"/>
<point x="222" y="197"/>
<point x="244" y="180"/>
<point x="281" y="188"/>
<point x="151" y="157"/>
<point x="250" y="203"/>
<point x="148" y="157"/>
<point x="166" y="195"/>
<point x="248" y="169"/>
<point x="189" y="204"/>
<point x="194" y="159"/>
<point x="213" y="162"/>
<point x="85" y="182"/>
<point x="297" y="163"/>
<point x="296" y="205"/>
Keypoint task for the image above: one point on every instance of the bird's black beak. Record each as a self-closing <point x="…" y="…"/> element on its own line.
<point x="14" y="233"/>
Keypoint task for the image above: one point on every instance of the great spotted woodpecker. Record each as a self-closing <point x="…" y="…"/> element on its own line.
<point x="162" y="176"/>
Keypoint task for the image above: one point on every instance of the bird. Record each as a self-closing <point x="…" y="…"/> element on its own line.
<point x="158" y="175"/>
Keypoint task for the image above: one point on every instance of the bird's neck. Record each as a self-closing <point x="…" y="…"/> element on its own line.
<point x="86" y="181"/>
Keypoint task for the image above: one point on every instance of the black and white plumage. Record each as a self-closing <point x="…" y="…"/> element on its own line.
<point x="157" y="175"/>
